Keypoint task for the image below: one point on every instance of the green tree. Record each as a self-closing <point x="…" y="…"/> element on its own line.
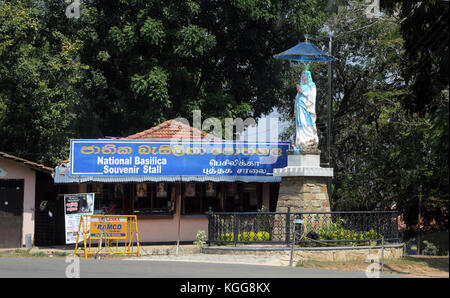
<point x="424" y="27"/>
<point x="382" y="153"/>
<point x="125" y="66"/>
<point x="150" y="61"/>
<point x="39" y="75"/>
<point x="425" y="66"/>
<point x="366" y="128"/>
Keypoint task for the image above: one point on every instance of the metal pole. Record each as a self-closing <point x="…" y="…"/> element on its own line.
<point x="179" y="214"/>
<point x="330" y="103"/>
<point x="288" y="227"/>
<point x="330" y="110"/>
<point x="101" y="238"/>
<point x="382" y="254"/>
<point x="418" y="225"/>
<point x="292" y="245"/>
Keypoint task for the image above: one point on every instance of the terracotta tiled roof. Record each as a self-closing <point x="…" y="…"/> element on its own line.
<point x="170" y="129"/>
<point x="30" y="164"/>
<point x="166" y="131"/>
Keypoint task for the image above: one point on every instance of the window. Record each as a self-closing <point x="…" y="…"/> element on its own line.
<point x="99" y="197"/>
<point x="200" y="197"/>
<point x="143" y="198"/>
<point x="162" y="202"/>
<point x="211" y="198"/>
<point x="232" y="198"/>
<point x="243" y="197"/>
<point x="108" y="198"/>
<point x="139" y="198"/>
<point x="192" y="198"/>
<point x="250" y="197"/>
<point x="153" y="198"/>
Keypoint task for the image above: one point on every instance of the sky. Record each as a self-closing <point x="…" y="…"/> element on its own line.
<point x="268" y="128"/>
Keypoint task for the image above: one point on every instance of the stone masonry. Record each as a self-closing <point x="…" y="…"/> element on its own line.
<point x="303" y="185"/>
<point x="303" y="194"/>
<point x="303" y="188"/>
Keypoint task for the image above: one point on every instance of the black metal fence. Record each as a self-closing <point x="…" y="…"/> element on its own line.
<point x="312" y="228"/>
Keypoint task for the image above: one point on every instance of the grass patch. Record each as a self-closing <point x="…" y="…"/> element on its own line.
<point x="24" y="253"/>
<point x="420" y="266"/>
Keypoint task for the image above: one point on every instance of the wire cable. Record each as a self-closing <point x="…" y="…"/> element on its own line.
<point x="429" y="30"/>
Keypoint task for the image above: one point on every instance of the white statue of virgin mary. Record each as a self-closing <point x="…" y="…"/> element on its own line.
<point x="305" y="111"/>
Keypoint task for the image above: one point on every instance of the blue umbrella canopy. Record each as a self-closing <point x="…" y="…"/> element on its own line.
<point x="306" y="52"/>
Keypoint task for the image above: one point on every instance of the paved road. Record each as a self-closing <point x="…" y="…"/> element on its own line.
<point x="57" y="267"/>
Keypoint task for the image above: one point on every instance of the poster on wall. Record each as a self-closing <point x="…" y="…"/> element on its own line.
<point x="141" y="190"/>
<point x="118" y="191"/>
<point x="189" y="190"/>
<point x="76" y="205"/>
<point x="210" y="189"/>
<point x="161" y="190"/>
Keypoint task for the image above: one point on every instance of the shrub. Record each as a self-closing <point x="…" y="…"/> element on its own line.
<point x="226" y="237"/>
<point x="335" y="231"/>
<point x="245" y="236"/>
<point x="429" y="248"/>
<point x="201" y="238"/>
<point x="262" y="236"/>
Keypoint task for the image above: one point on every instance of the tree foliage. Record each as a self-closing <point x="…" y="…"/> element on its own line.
<point x="384" y="153"/>
<point x="155" y="60"/>
<point x="125" y="66"/>
<point x="39" y="79"/>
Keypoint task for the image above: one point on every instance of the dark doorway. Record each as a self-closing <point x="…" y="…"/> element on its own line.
<point x="11" y="210"/>
<point x="46" y="213"/>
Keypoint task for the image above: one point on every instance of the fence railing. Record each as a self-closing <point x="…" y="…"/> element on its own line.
<point x="316" y="229"/>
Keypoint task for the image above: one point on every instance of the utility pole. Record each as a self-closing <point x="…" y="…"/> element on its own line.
<point x="330" y="113"/>
<point x="418" y="225"/>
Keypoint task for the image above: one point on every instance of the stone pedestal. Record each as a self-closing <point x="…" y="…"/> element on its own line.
<point x="303" y="185"/>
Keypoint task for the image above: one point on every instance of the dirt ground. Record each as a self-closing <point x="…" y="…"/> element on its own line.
<point x="418" y="266"/>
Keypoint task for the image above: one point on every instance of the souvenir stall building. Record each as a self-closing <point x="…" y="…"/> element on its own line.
<point x="166" y="205"/>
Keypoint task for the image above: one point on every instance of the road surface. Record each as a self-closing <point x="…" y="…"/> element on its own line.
<point x="119" y="268"/>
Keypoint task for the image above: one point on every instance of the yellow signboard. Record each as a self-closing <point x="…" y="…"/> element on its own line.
<point x="109" y="227"/>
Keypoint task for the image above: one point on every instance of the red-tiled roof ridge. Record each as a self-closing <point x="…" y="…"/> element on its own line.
<point x="30" y="164"/>
<point x="166" y="131"/>
<point x="163" y="131"/>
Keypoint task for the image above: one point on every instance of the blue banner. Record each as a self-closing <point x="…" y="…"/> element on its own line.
<point x="140" y="157"/>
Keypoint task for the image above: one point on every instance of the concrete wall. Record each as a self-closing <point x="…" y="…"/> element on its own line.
<point x="392" y="251"/>
<point x="18" y="171"/>
<point x="166" y="229"/>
